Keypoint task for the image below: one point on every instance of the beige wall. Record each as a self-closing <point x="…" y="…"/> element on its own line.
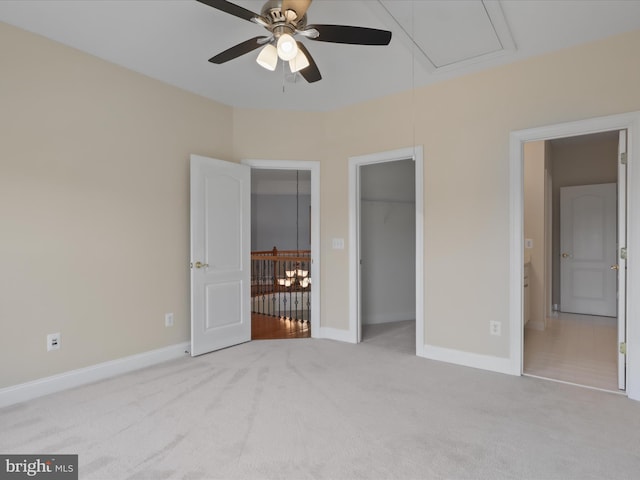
<point x="94" y="190"/>
<point x="534" y="223"/>
<point x="368" y="128"/>
<point x="464" y="125"/>
<point x="94" y="203"/>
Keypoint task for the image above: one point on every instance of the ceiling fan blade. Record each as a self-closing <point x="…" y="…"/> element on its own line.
<point x="238" y="50"/>
<point x="235" y="10"/>
<point x="311" y="73"/>
<point x="351" y="35"/>
<point x="298" y="6"/>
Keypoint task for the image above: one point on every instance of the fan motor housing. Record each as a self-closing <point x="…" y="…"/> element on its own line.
<point x="272" y="11"/>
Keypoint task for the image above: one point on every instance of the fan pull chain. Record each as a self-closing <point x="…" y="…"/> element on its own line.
<point x="284" y="74"/>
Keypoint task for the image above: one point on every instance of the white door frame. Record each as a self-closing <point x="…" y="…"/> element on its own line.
<point x="621" y="260"/>
<point x="631" y="122"/>
<point x="415" y="153"/>
<point x="314" y="168"/>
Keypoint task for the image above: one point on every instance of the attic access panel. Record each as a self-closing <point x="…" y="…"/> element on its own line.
<point x="452" y="32"/>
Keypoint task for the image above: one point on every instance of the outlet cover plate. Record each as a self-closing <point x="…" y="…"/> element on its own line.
<point x="495" y="328"/>
<point x="53" y="342"/>
<point x="168" y="319"/>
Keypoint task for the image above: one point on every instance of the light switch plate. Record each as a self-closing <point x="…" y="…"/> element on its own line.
<point x="528" y="243"/>
<point x="337" y="243"/>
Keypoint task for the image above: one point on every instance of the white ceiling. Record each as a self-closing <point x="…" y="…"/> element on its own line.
<point x="433" y="40"/>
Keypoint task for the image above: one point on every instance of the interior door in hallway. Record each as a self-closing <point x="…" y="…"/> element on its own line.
<point x="220" y="254"/>
<point x="588" y="279"/>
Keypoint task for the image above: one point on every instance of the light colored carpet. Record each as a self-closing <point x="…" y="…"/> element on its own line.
<point x="305" y="408"/>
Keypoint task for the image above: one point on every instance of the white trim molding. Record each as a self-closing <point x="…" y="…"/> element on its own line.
<point x="419" y="173"/>
<point x="631" y="122"/>
<point x="415" y="153"/>
<point x="467" y="359"/>
<point x="82" y="376"/>
<point x="330" y="333"/>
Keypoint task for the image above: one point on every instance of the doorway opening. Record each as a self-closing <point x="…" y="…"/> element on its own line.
<point x="386" y="248"/>
<point x="280" y="254"/>
<point x="387" y="251"/>
<point x="284" y="239"/>
<point x="570" y="242"/>
<point x="628" y="124"/>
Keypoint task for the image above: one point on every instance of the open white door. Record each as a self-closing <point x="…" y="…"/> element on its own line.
<point x="588" y="249"/>
<point x="622" y="259"/>
<point x="220" y="254"/>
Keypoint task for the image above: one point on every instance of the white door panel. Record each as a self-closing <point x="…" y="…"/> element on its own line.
<point x="223" y="222"/>
<point x="590" y="283"/>
<point x="588" y="248"/>
<point x="223" y="302"/>
<point x="220" y="254"/>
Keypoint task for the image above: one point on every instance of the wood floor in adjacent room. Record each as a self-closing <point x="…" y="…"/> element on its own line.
<point x="580" y="349"/>
<point x="265" y="327"/>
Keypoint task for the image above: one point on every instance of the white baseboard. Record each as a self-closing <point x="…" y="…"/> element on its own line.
<point x="535" y="325"/>
<point x="389" y="318"/>
<point x="75" y="378"/>
<point x="337" y="334"/>
<point x="467" y="359"/>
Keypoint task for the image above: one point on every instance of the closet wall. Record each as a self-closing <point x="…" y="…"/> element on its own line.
<point x="387" y="227"/>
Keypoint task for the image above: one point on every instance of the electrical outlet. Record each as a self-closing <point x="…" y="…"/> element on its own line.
<point x="495" y="328"/>
<point x="53" y="342"/>
<point x="168" y="319"/>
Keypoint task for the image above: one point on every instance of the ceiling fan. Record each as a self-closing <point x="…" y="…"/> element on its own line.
<point x="285" y="19"/>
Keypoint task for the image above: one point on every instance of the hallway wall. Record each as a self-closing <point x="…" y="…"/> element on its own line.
<point x="583" y="160"/>
<point x="534" y="229"/>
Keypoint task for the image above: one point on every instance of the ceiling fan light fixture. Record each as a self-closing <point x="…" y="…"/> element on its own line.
<point x="268" y="57"/>
<point x="285" y="19"/>
<point x="300" y="62"/>
<point x="287" y="47"/>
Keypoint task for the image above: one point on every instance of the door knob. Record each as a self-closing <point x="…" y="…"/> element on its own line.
<point x="615" y="267"/>
<point x="199" y="265"/>
<point x="565" y="255"/>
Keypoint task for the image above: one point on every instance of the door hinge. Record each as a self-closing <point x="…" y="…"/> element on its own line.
<point x="623" y="158"/>
<point x="623" y="253"/>
<point x="623" y="348"/>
